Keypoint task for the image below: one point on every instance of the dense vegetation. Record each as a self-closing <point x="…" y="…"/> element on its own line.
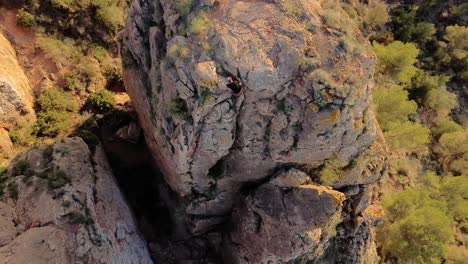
<point x="80" y="38"/>
<point x="420" y="81"/>
<point x="97" y="21"/>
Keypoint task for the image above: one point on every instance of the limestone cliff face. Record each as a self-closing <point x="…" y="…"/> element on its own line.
<point x="15" y="95"/>
<point x="307" y="101"/>
<point x="60" y="204"/>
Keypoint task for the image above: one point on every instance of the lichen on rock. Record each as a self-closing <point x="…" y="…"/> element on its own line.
<point x="306" y="100"/>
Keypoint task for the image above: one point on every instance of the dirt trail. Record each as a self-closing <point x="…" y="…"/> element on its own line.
<point x="36" y="65"/>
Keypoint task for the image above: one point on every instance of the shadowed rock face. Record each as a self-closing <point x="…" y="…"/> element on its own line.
<point x="307" y="100"/>
<point x="67" y="209"/>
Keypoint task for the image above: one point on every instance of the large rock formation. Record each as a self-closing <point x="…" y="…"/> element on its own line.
<point x="60" y="204"/>
<point x="15" y="95"/>
<point x="307" y="101"/>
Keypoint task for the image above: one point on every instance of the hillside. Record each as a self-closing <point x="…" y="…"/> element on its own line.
<point x="233" y="131"/>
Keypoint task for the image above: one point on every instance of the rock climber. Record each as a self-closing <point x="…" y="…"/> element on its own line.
<point x="235" y="85"/>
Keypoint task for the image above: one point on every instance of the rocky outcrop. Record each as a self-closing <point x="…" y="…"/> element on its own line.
<point x="306" y="101"/>
<point x="15" y="95"/>
<point x="284" y="220"/>
<point x="60" y="204"/>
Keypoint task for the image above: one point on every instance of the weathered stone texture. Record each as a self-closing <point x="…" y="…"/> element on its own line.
<point x="86" y="220"/>
<point x="212" y="145"/>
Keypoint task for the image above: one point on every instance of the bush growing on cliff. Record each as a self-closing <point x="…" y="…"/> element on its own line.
<point x="200" y="25"/>
<point x="175" y="52"/>
<point x="331" y="171"/>
<point x="102" y="100"/>
<point x="111" y="15"/>
<point x="62" y="52"/>
<point x="55" y="112"/>
<point x="184" y="6"/>
<point x="24" y="18"/>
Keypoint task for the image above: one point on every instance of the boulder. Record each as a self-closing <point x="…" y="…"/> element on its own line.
<point x="279" y="224"/>
<point x="61" y="204"/>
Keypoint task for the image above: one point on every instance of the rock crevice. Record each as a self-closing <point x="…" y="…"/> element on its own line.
<point x="306" y="101"/>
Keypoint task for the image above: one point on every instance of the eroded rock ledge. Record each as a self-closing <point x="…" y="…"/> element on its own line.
<point x="60" y="204"/>
<point x="307" y="102"/>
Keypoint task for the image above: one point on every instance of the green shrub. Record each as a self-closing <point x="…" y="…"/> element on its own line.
<point x="392" y="106"/>
<point x="75" y="81"/>
<point x="92" y="72"/>
<point x="102" y="100"/>
<point x="423" y="82"/>
<point x="56" y="100"/>
<point x="200" y="25"/>
<point x="456" y="37"/>
<point x="184" y="6"/>
<point x="453" y="152"/>
<point x="419" y="222"/>
<point x="397" y="60"/>
<point x="404" y="21"/>
<point x="55" y="113"/>
<point x="111" y="15"/>
<point x="376" y="15"/>
<point x="21" y="167"/>
<point x="69" y="5"/>
<point x="175" y="52"/>
<point x="446" y="125"/>
<point x="331" y="171"/>
<point x="407" y="136"/>
<point x="24" y="18"/>
<point x="441" y="101"/>
<point x="424" y="32"/>
<point x="62" y="52"/>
